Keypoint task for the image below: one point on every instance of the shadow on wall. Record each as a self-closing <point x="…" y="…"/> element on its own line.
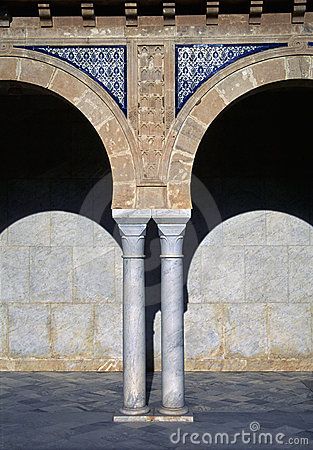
<point x="256" y="155"/>
<point x="251" y="230"/>
<point x="61" y="259"/>
<point x="52" y="158"/>
<point x="60" y="254"/>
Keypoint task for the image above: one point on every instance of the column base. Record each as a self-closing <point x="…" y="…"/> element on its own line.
<point x="135" y="411"/>
<point x="173" y="411"/>
<point x="153" y="416"/>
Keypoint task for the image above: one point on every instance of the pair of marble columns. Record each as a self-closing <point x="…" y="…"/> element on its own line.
<point x="171" y="225"/>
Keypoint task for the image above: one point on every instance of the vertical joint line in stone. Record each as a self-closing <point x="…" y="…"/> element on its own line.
<point x="212" y="12"/>
<point x="131" y="14"/>
<point x="45" y="16"/>
<point x="256" y="11"/>
<point x="88" y="14"/>
<point x="299" y="10"/>
<point x="169" y="12"/>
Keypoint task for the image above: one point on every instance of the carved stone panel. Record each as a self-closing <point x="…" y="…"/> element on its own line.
<point x="151" y="108"/>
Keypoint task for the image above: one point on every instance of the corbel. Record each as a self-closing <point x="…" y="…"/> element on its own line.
<point x="299" y="10"/>
<point x="256" y="11"/>
<point x="131" y="14"/>
<point x="212" y="11"/>
<point x="169" y="13"/>
<point x="88" y="14"/>
<point x="45" y="17"/>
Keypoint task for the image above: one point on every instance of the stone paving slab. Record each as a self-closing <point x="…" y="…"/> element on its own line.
<point x="63" y="411"/>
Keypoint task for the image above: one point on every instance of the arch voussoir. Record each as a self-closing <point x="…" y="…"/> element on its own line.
<point x="209" y="101"/>
<point x="96" y="105"/>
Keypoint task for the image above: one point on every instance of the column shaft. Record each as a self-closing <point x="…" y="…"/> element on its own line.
<point x="132" y="226"/>
<point x="172" y="226"/>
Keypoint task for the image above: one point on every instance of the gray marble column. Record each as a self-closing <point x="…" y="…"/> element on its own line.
<point x="132" y="225"/>
<point x="171" y="225"/>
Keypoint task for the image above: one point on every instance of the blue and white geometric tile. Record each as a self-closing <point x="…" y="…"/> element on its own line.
<point x="107" y="65"/>
<point x="196" y="63"/>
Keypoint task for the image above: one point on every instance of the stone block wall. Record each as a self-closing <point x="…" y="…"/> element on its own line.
<point x="60" y="295"/>
<point x="251" y="295"/>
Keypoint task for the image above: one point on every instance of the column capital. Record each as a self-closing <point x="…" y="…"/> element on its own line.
<point x="131" y="216"/>
<point x="132" y="224"/>
<point x="172" y="221"/>
<point x="171" y="224"/>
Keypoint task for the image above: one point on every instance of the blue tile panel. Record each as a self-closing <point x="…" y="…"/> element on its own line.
<point x="107" y="65"/>
<point x="196" y="63"/>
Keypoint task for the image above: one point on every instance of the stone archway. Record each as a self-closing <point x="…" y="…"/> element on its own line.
<point x="89" y="98"/>
<point x="210" y="99"/>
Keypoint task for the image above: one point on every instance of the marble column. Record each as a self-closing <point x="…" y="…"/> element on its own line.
<point x="171" y="225"/>
<point x="132" y="225"/>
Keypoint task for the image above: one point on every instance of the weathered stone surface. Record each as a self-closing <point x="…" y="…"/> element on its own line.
<point x="223" y="274"/>
<point x="298" y="67"/>
<point x="8" y="68"/>
<point x="14" y="274"/>
<point x="269" y="71"/>
<point x="210" y="106"/>
<point x="195" y="294"/>
<point x="72" y="330"/>
<point x="245" y="333"/>
<point x="29" y="331"/>
<point x="152" y="197"/>
<point x="300" y="274"/>
<point x="284" y="229"/>
<point x="266" y="274"/>
<point x="30" y="231"/>
<point x="236" y="85"/>
<point x="204" y="331"/>
<point x="70" y="229"/>
<point x="67" y="86"/>
<point x="94" y="274"/>
<point x="108" y="331"/>
<point x="245" y="229"/>
<point x="290" y="330"/>
<point x="3" y="330"/>
<point x="51" y="274"/>
<point x="179" y="195"/>
<point x="35" y="72"/>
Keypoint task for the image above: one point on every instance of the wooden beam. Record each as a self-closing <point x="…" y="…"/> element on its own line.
<point x="299" y="10"/>
<point x="45" y="17"/>
<point x="131" y="14"/>
<point x="256" y="11"/>
<point x="212" y="11"/>
<point x="88" y="14"/>
<point x="169" y="13"/>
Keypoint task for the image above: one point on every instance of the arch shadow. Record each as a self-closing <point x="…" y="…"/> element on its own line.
<point x="256" y="155"/>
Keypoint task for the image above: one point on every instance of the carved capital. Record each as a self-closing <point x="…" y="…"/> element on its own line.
<point x="132" y="225"/>
<point x="171" y="225"/>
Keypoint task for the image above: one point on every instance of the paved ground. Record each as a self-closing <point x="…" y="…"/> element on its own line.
<point x="74" y="411"/>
